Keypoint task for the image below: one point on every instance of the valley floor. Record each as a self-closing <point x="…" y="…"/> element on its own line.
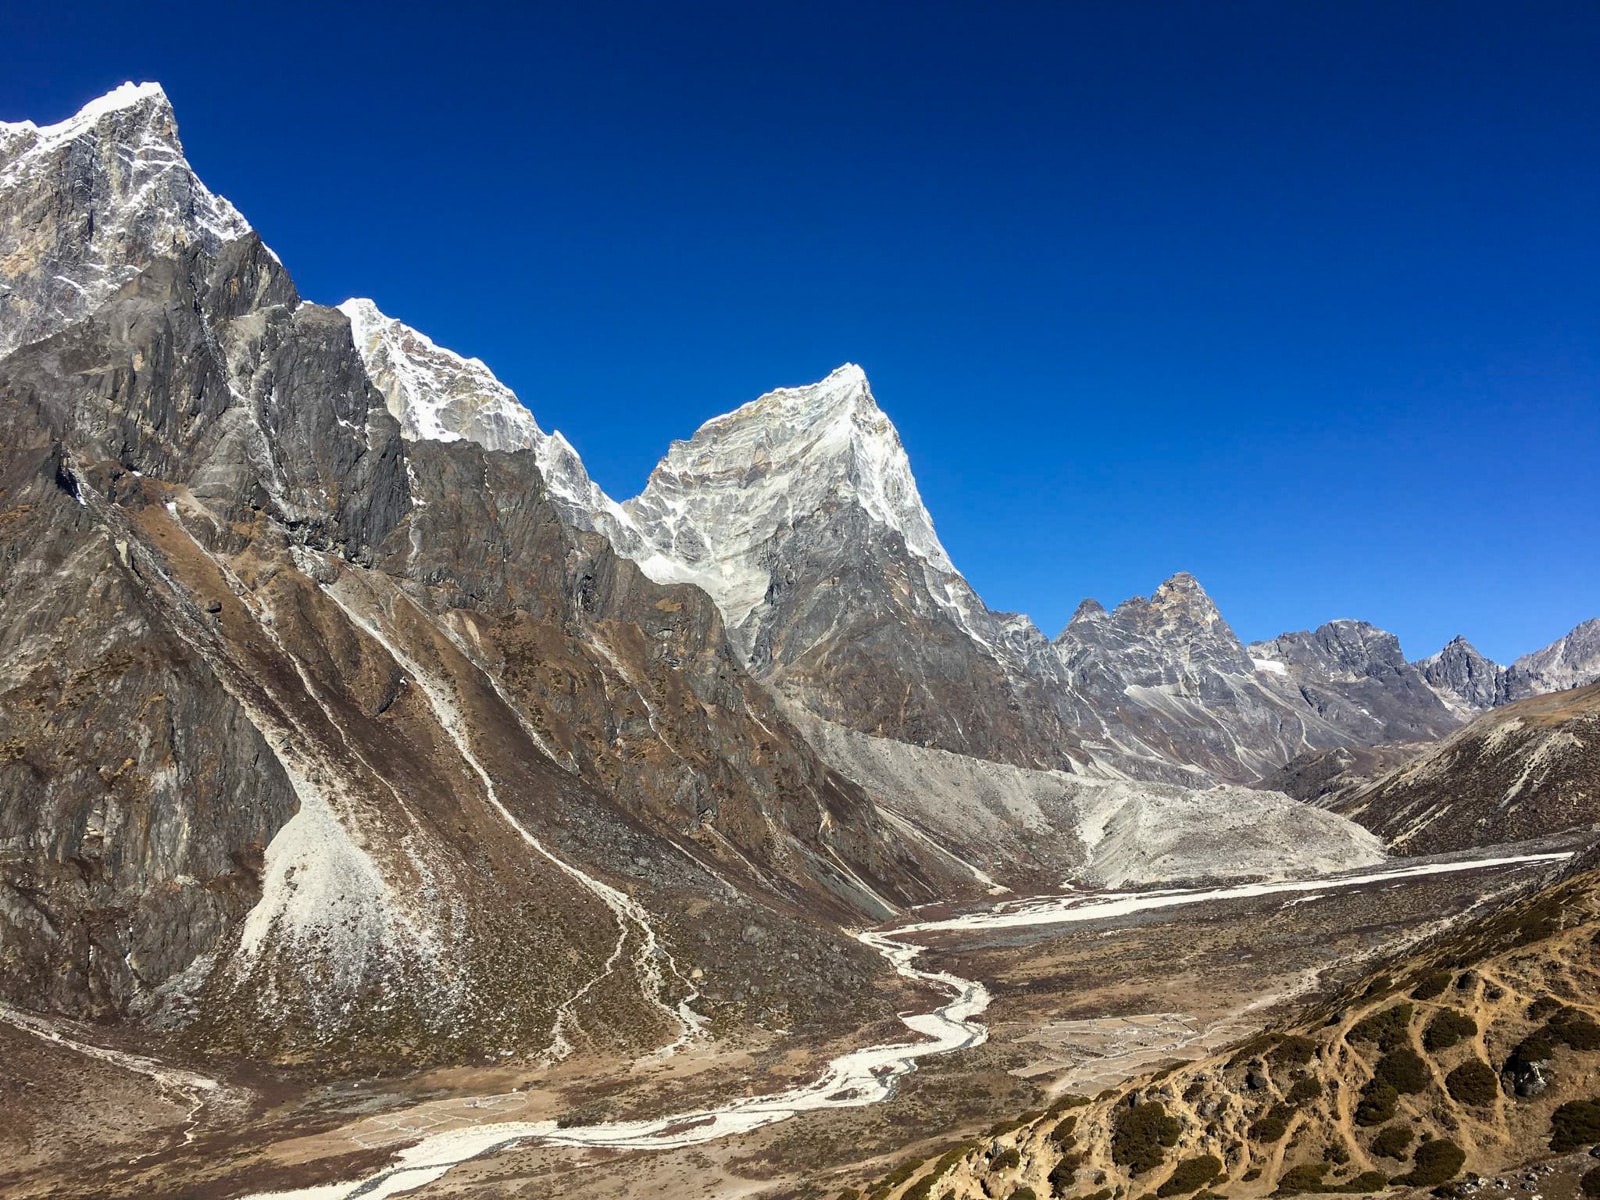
<point x="1087" y="990"/>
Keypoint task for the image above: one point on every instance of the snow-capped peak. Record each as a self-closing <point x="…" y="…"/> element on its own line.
<point x="717" y="499"/>
<point x="441" y="396"/>
<point x="118" y="99"/>
<point x="97" y="198"/>
<point x="436" y="394"/>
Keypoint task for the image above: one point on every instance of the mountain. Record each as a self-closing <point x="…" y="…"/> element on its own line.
<point x="1568" y="662"/>
<point x="133" y="199"/>
<point x="320" y="742"/>
<point x="344" y="722"/>
<point x="1473" y="683"/>
<point x="1524" y="770"/>
<point x="799" y="515"/>
<point x="1465" y="679"/>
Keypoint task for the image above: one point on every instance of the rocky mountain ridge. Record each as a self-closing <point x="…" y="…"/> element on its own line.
<point x="322" y="744"/>
<point x="798" y="513"/>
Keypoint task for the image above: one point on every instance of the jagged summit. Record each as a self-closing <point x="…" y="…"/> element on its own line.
<point x="745" y="477"/>
<point x="1089" y="609"/>
<point x="843" y="387"/>
<point x="1463" y="678"/>
<point x="435" y="393"/>
<point x="125" y="96"/>
<point x="92" y="201"/>
<point x="439" y="395"/>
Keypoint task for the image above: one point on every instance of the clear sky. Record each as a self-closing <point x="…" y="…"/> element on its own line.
<point x="1303" y="298"/>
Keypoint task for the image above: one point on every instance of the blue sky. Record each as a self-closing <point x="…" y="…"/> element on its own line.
<point x="1302" y="298"/>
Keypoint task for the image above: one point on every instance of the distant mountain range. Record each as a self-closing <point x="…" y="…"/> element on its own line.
<point x="799" y="516"/>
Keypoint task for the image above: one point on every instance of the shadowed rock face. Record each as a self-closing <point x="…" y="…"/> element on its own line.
<point x="1460" y="671"/>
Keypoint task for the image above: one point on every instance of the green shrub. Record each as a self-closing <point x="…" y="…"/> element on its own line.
<point x="1387" y="1028"/>
<point x="1576" y="1028"/>
<point x="1436" y="1162"/>
<point x="1024" y="1193"/>
<point x="1305" y="1178"/>
<point x="1305" y="1090"/>
<point x="1139" y="1131"/>
<point x="1191" y="1175"/>
<point x="1535" y="1048"/>
<point x="1404" y="1071"/>
<point x="1393" y="1141"/>
<point x="1574" y="1125"/>
<point x="1250" y="1176"/>
<point x="1006" y="1160"/>
<point x="1294" y="1051"/>
<point x="1447" y="1028"/>
<point x="1543" y="1007"/>
<point x="1066" y="1102"/>
<point x="1589" y="1185"/>
<point x="1062" y="1133"/>
<point x="1274" y="1125"/>
<point x="1473" y="1083"/>
<point x="923" y="1188"/>
<point x="1432" y="984"/>
<point x="1377" y="1103"/>
<point x="1064" y="1174"/>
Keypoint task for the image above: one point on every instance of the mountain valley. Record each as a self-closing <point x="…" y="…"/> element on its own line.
<point x="385" y="809"/>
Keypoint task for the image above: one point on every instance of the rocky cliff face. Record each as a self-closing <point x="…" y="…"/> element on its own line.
<point x="799" y="515"/>
<point x="1568" y="662"/>
<point x="89" y="203"/>
<point x="1464" y="678"/>
<point x="316" y="740"/>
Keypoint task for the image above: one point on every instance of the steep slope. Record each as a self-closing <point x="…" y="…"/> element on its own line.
<point x="65" y="251"/>
<point x="799" y="515"/>
<point x="1568" y="662"/>
<point x="437" y="395"/>
<point x="1463" y="678"/>
<point x="1524" y="770"/>
<point x="464" y="773"/>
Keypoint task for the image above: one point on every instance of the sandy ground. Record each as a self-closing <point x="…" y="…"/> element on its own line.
<point x="1076" y="1008"/>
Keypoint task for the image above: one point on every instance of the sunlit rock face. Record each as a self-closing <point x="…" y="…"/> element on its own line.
<point x="90" y="202"/>
<point x="314" y="735"/>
